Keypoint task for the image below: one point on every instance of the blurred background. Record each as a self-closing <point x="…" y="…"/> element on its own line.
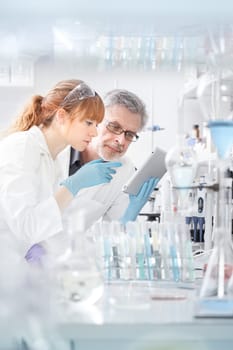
<point x="157" y="49"/>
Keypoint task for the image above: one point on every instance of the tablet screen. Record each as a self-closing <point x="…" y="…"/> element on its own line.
<point x="154" y="166"/>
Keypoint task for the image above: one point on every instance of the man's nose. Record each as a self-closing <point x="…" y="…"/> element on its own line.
<point x="120" y="138"/>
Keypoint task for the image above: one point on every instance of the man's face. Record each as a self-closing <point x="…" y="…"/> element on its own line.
<point x="108" y="145"/>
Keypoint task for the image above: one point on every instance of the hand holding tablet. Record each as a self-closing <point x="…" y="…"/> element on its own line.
<point x="153" y="167"/>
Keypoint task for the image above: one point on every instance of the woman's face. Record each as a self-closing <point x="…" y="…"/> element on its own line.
<point x="78" y="134"/>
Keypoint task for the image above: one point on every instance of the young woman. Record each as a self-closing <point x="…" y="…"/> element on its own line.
<point x="31" y="204"/>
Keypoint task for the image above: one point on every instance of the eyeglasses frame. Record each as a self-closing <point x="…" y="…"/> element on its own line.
<point x="107" y="123"/>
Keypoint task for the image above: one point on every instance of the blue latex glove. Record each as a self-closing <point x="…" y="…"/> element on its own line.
<point x="93" y="173"/>
<point x="137" y="202"/>
<point x="35" y="254"/>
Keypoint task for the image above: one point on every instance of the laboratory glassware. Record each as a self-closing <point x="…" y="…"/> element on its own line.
<point x="220" y="264"/>
<point x="181" y="164"/>
<point x="78" y="277"/>
<point x="219" y="268"/>
<point x="222" y="136"/>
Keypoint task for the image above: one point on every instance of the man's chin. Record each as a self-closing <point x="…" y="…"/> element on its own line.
<point x="109" y="155"/>
<point x="113" y="157"/>
<point x="110" y="159"/>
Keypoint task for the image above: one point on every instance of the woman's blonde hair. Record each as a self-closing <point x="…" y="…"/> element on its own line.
<point x="41" y="110"/>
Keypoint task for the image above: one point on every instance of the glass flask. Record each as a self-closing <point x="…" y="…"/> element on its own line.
<point x="214" y="94"/>
<point x="78" y="278"/>
<point x="218" y="270"/>
<point x="181" y="164"/>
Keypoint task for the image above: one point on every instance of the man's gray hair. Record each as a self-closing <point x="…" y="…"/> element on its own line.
<point x="129" y="100"/>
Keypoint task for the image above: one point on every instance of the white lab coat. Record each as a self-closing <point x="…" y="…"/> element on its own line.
<point x="106" y="201"/>
<point x="28" y="209"/>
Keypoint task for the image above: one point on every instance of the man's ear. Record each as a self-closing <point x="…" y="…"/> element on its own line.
<point x="61" y="116"/>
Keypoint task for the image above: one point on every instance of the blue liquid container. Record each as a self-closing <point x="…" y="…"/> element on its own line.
<point x="222" y="136"/>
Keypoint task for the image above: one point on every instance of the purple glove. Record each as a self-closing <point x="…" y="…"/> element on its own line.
<point x="35" y="254"/>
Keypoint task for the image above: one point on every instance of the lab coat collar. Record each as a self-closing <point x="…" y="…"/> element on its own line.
<point x="74" y="155"/>
<point x="38" y="134"/>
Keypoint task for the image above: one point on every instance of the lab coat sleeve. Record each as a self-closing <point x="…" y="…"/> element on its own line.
<point x="29" y="215"/>
<point x="28" y="222"/>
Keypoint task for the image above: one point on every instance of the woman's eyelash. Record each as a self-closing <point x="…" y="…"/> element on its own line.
<point x="88" y="122"/>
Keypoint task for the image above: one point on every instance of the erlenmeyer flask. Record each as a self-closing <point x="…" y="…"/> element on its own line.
<point x="78" y="276"/>
<point x="219" y="269"/>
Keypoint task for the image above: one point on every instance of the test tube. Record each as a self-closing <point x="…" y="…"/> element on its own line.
<point x="131" y="235"/>
<point x="139" y="252"/>
<point x="155" y="250"/>
<point x="145" y="233"/>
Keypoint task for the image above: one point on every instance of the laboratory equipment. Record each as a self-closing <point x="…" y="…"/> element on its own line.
<point x="31" y="318"/>
<point x="208" y="195"/>
<point x="222" y="136"/>
<point x="181" y="164"/>
<point x="218" y="270"/>
<point x="220" y="265"/>
<point x="144" y="250"/>
<point x="78" y="277"/>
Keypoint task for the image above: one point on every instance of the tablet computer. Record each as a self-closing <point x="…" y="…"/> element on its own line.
<point x="154" y="166"/>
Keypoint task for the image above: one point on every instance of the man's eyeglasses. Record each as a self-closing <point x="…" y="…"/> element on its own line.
<point x="80" y="92"/>
<point x="117" y="130"/>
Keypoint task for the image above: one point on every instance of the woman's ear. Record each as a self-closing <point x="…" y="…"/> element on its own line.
<point x="62" y="116"/>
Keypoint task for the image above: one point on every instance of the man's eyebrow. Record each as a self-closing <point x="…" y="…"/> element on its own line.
<point x="114" y="122"/>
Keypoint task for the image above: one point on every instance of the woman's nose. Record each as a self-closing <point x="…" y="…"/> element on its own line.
<point x="94" y="131"/>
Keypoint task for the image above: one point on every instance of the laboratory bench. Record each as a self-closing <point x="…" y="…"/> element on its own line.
<point x="145" y="315"/>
